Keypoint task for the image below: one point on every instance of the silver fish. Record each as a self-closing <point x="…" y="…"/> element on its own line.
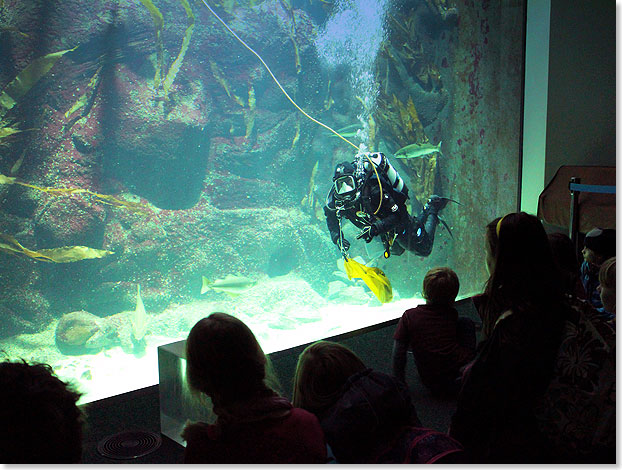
<point x="418" y="150"/>
<point x="233" y="285"/>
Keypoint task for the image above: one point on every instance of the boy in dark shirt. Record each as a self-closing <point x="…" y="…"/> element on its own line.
<point x="441" y="342"/>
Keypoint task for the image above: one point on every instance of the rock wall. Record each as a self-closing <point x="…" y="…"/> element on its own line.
<point x="221" y="160"/>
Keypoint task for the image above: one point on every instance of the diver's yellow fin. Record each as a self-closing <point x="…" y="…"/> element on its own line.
<point x="205" y="285"/>
<point x="374" y="278"/>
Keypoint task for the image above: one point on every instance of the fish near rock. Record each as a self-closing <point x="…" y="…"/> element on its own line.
<point x="81" y="332"/>
<point x="232" y="285"/>
<point x="418" y="150"/>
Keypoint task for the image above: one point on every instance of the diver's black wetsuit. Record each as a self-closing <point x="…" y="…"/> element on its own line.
<point x="412" y="233"/>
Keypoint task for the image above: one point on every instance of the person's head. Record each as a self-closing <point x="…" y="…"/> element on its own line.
<point x="607" y="288"/>
<point x="345" y="185"/>
<point x="322" y="370"/>
<point x="224" y="359"/>
<point x="599" y="245"/>
<point x="440" y="286"/>
<point x="522" y="266"/>
<point x="39" y="416"/>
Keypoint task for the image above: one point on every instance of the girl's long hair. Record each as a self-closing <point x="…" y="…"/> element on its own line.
<point x="225" y="361"/>
<point x="523" y="272"/>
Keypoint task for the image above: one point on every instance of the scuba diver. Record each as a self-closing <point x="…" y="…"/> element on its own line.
<point x="371" y="194"/>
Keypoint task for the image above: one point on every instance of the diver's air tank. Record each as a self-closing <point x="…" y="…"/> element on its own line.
<point x="383" y="164"/>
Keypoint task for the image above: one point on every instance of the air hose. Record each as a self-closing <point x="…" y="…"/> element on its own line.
<point x="292" y="101"/>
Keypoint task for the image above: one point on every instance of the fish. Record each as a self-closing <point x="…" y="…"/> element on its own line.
<point x="232" y="285"/>
<point x="418" y="150"/>
<point x="348" y="131"/>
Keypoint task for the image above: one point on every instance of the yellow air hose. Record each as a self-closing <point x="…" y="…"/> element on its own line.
<point x="291" y="100"/>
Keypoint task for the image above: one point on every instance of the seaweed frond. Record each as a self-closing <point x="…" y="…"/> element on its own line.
<point x="18" y="163"/>
<point x="249" y="116"/>
<point x="176" y="65"/>
<point x="308" y="201"/>
<point x="297" y="134"/>
<point x="26" y="79"/>
<point x="220" y="78"/>
<point x="84" y="99"/>
<point x="64" y="254"/>
<point x="103" y="198"/>
<point x="158" y="21"/>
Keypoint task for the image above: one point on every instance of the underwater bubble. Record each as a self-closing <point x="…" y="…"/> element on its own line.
<point x="352" y="36"/>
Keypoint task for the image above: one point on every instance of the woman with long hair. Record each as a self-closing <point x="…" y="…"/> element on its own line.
<point x="255" y="424"/>
<point x="523" y="314"/>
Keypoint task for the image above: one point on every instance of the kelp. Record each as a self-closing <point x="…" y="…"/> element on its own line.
<point x="400" y="121"/>
<point x="26" y="79"/>
<point x="249" y="116"/>
<point x="158" y="21"/>
<point x="220" y="78"/>
<point x="18" y="163"/>
<point x="64" y="254"/>
<point x="292" y="32"/>
<point x="297" y="134"/>
<point x="308" y="201"/>
<point x="86" y="97"/>
<point x="103" y="198"/>
<point x="7" y="131"/>
<point x="176" y="65"/>
<point x="328" y="101"/>
<point x="12" y="29"/>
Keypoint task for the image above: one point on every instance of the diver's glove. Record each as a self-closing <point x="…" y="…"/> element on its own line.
<point x="368" y="233"/>
<point x="342" y="243"/>
<point x="345" y="244"/>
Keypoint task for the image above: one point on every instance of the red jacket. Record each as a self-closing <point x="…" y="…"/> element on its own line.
<point x="295" y="438"/>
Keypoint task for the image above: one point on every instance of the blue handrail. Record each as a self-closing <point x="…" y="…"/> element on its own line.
<point x="592" y="188"/>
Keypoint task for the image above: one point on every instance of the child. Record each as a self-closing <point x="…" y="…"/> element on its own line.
<point x="599" y="245"/>
<point x="255" y="424"/>
<point x="367" y="416"/>
<point x="41" y="421"/>
<point x="607" y="287"/>
<point x="440" y="341"/>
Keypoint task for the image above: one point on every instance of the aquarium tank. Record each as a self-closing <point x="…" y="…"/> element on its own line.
<point x="161" y="160"/>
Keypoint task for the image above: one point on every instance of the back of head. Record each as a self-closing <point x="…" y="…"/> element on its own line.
<point x="40" y="420"/>
<point x="607" y="274"/>
<point x="322" y="370"/>
<point x="523" y="269"/>
<point x="224" y="359"/>
<point x="602" y="242"/>
<point x="441" y="286"/>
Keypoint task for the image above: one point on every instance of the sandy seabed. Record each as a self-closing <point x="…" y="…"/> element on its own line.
<point x="283" y="312"/>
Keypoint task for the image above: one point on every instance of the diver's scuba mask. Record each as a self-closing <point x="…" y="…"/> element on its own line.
<point x="346" y="192"/>
<point x="344" y="186"/>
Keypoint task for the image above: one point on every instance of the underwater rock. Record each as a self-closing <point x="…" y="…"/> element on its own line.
<point x="282" y="260"/>
<point x="69" y="222"/>
<point x="157" y="148"/>
<point x="82" y="332"/>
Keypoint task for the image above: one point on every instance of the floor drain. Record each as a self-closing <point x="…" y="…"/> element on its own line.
<point x="129" y="444"/>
